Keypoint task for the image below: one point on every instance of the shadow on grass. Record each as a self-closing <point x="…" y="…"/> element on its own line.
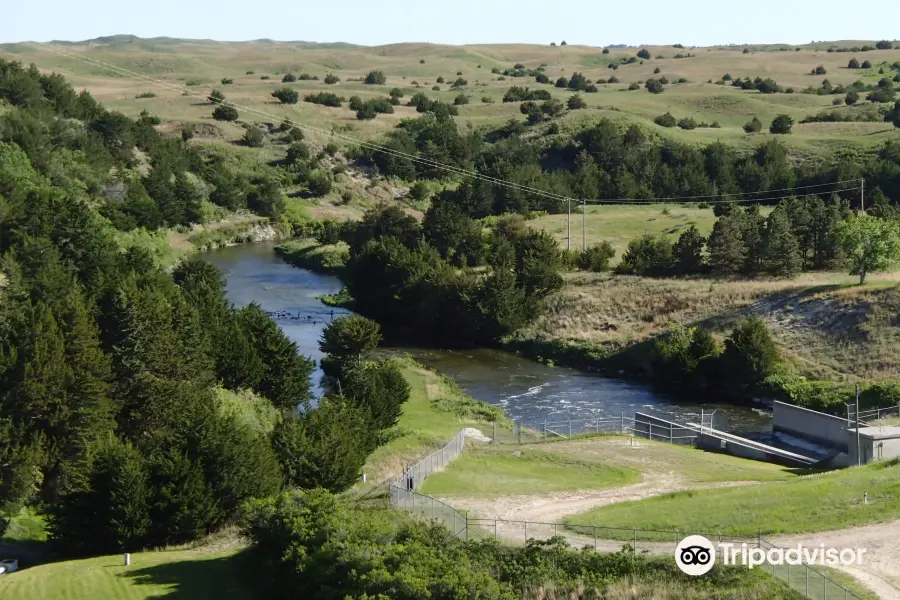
<point x="219" y="578"/>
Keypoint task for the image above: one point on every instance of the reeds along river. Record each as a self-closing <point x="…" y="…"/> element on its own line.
<point x="525" y="389"/>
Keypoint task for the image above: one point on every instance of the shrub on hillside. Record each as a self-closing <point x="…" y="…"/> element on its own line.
<point x="286" y="95"/>
<point x="753" y="126"/>
<point x="253" y="137"/>
<point x="225" y="112"/>
<point x="644" y="53"/>
<point x="576" y="102"/>
<point x="331" y="79"/>
<point x="325" y="99"/>
<point x="375" y="78"/>
<point x="289" y="78"/>
<point x="597" y="257"/>
<point x="666" y="120"/>
<point x="781" y="125"/>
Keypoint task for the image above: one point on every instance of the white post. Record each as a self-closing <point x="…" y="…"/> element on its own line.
<point x="127" y="559"/>
<point x="364" y="478"/>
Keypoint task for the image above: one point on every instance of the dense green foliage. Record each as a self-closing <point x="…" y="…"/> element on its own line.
<point x="418" y="279"/>
<point x="688" y="360"/>
<point x="311" y="545"/>
<point x="112" y="371"/>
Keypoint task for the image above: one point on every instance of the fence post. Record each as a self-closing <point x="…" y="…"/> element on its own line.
<point x="570" y="427"/>
<point x="807" y="581"/>
<point x="526" y="532"/>
<point x="595" y="538"/>
<point x="545" y="430"/>
<point x="432" y="508"/>
<point x="634" y="547"/>
<point x="519" y="433"/>
<point x="466" y="539"/>
<point x="494" y="434"/>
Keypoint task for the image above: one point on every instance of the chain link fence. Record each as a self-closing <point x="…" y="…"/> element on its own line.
<point x="804" y="579"/>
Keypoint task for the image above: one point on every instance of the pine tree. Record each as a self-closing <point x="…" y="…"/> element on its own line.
<point x="726" y="246"/>
<point x="587" y="176"/>
<point x="89" y="415"/>
<point x="325" y="447"/>
<point x="349" y="339"/>
<point x="110" y="510"/>
<point x="753" y="226"/>
<point x="688" y="252"/>
<point x="503" y="305"/>
<point x="285" y="380"/>
<point x="378" y="388"/>
<point x="782" y="251"/>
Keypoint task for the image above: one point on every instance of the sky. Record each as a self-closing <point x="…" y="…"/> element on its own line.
<point x="584" y="22"/>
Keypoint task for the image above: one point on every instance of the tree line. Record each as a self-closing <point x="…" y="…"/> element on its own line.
<point x="606" y="161"/>
<point x="124" y="388"/>
<point x="800" y="234"/>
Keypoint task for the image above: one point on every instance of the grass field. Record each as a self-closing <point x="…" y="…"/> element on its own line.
<point x="488" y="472"/>
<point x="199" y="65"/>
<point x="620" y="224"/>
<point x="809" y="504"/>
<point x="652" y="458"/>
<point x="198" y="574"/>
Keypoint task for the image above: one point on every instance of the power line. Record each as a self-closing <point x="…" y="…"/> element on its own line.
<point x="728" y="198"/>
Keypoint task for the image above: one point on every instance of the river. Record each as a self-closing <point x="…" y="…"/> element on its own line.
<point x="526" y="390"/>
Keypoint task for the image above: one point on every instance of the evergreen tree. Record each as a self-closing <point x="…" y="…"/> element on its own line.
<point x="750" y="354"/>
<point x="753" y="228"/>
<point x="285" y="379"/>
<point x="379" y="389"/>
<point x="688" y="252"/>
<point x="782" y="251"/>
<point x="349" y="339"/>
<point x="587" y="176"/>
<point x="110" y="510"/>
<point x="726" y="246"/>
<point x="325" y="447"/>
<point x="503" y="306"/>
<point x="456" y="236"/>
<point x="538" y="262"/>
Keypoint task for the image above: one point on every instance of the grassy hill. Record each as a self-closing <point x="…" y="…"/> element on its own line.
<point x="200" y="64"/>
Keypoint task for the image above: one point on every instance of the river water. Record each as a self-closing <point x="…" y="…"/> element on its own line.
<point x="526" y="390"/>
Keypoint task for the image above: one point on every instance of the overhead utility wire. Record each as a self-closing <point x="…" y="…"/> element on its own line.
<point x="728" y="198"/>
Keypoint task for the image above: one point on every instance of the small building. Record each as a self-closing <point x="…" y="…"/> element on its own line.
<point x="876" y="443"/>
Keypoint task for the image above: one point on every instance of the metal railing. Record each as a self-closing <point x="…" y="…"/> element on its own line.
<point x="804" y="579"/>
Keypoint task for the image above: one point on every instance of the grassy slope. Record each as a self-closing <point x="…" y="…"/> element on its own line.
<point x="651" y="458"/>
<point x="435" y="412"/>
<point x="805" y="505"/>
<point x="488" y="472"/>
<point x="825" y="324"/>
<point x="204" y="63"/>
<point x="204" y="573"/>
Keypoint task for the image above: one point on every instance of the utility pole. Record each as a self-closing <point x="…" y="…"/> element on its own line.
<point x="858" y="449"/>
<point x="569" y="225"/>
<point x="862" y="195"/>
<point x="583" y="225"/>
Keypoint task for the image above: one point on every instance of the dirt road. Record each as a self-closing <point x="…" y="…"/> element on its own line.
<point x="880" y="571"/>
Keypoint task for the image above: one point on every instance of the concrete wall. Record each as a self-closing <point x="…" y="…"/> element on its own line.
<point x="654" y="428"/>
<point x="870" y="451"/>
<point x="715" y="444"/>
<point x="811" y="424"/>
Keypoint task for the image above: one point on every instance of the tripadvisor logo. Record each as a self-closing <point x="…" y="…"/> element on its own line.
<point x="696" y="555"/>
